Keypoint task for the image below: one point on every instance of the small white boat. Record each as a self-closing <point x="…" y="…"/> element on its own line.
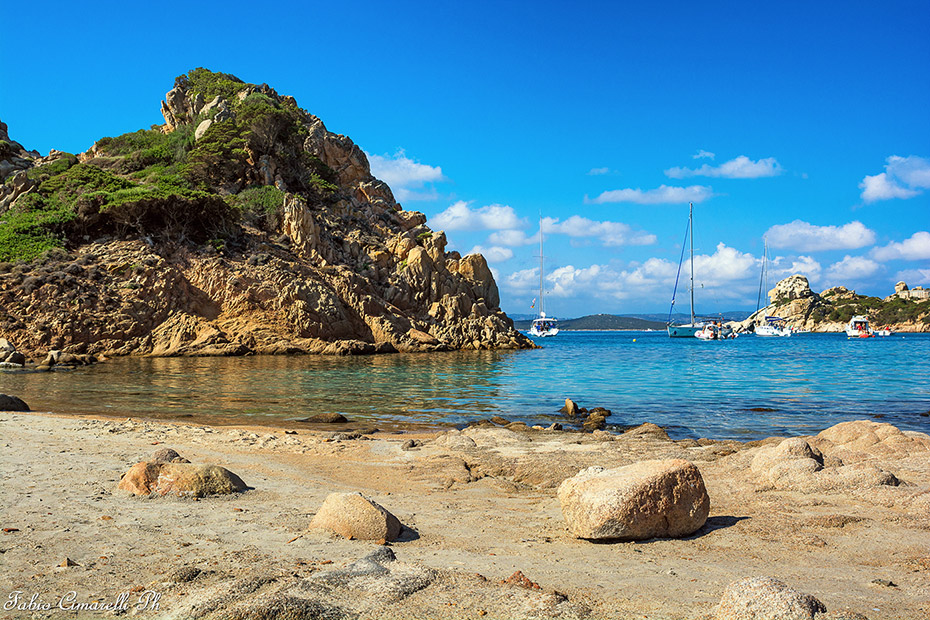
<point x="884" y="331"/>
<point x="543" y="327"/>
<point x="773" y="326"/>
<point x="858" y="327"/>
<point x="715" y="331"/>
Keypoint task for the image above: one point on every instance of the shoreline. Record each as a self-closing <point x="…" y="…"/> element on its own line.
<point x="478" y="501"/>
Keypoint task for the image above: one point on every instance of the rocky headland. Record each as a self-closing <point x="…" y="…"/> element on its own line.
<point x="905" y="310"/>
<point x="242" y="225"/>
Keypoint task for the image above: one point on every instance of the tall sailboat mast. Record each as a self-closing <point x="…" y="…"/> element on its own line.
<point x="691" y="226"/>
<point x="542" y="306"/>
<point x="763" y="277"/>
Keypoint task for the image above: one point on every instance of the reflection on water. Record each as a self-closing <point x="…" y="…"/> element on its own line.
<point x="807" y="382"/>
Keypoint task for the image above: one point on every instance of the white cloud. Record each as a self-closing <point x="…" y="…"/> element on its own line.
<point x="883" y="187"/>
<point x="598" y="171"/>
<point x="460" y="216"/>
<point x="740" y="168"/>
<point x="806" y="237"/>
<point x="494" y="254"/>
<point x="522" y="281"/>
<point x="914" y="277"/>
<point x="403" y="175"/>
<point x="511" y="238"/>
<point x="611" y="234"/>
<point x="402" y="194"/>
<point x="904" y="177"/>
<point x="726" y="264"/>
<point x="663" y="194"/>
<point x="727" y="274"/>
<point x="852" y="268"/>
<point x="702" y="154"/>
<point x="781" y="268"/>
<point x="917" y="247"/>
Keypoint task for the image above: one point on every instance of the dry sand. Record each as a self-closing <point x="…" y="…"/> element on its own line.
<point x="475" y="513"/>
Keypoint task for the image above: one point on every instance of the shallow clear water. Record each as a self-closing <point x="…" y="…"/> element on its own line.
<point x="692" y="388"/>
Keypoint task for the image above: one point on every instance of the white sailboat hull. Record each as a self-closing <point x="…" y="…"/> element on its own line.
<point x="535" y="333"/>
<point x="684" y="331"/>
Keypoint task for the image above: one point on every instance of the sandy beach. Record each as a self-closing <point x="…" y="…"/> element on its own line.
<point x="477" y="506"/>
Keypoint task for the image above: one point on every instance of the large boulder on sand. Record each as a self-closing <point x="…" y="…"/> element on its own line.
<point x="644" y="500"/>
<point x="12" y="403"/>
<point x="182" y="479"/>
<point x="353" y="515"/>
<point x="765" y="598"/>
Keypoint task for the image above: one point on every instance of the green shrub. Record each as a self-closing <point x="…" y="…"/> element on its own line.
<point x="148" y="147"/>
<point x="260" y="200"/>
<point x="44" y="172"/>
<point x="217" y="158"/>
<point x="210" y="84"/>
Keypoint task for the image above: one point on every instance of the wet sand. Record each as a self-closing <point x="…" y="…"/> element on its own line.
<point x="478" y="505"/>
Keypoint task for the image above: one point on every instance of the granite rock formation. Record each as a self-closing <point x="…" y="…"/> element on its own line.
<point x="242" y="225"/>
<point x="804" y="310"/>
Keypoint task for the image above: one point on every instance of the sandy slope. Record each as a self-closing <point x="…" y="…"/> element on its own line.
<point x="476" y="514"/>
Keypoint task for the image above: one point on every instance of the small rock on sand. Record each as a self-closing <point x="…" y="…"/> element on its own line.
<point x="648" y="429"/>
<point x="12" y="403"/>
<point x="326" y="418"/>
<point x="181" y="479"/>
<point x="353" y="515"/>
<point x="765" y="598"/>
<point x="644" y="500"/>
<point x="168" y="455"/>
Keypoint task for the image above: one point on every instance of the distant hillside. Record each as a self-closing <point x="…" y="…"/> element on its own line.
<point x="681" y="317"/>
<point x="600" y="321"/>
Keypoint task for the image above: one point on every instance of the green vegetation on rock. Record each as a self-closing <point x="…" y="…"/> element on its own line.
<point x="167" y="184"/>
<point x="210" y="84"/>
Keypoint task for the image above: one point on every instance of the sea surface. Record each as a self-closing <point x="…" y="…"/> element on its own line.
<point x="748" y="388"/>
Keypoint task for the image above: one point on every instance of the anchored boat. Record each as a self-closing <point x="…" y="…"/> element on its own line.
<point x="858" y="327"/>
<point x="691" y="329"/>
<point x="543" y="326"/>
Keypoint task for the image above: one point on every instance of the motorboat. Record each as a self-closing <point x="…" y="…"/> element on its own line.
<point x="773" y="326"/>
<point x="858" y="327"/>
<point x="715" y="331"/>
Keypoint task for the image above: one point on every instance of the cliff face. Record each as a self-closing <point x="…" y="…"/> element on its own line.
<point x="241" y="225"/>
<point x="830" y="311"/>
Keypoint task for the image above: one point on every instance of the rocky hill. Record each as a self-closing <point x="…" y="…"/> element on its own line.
<point x="904" y="310"/>
<point x="242" y="225"/>
<point x="600" y="322"/>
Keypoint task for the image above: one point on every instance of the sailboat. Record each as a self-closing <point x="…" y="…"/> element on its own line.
<point x="543" y="326"/>
<point x="773" y="325"/>
<point x="710" y="330"/>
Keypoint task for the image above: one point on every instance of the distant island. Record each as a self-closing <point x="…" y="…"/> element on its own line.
<point x="600" y="322"/>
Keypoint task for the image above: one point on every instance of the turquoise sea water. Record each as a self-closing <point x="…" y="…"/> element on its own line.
<point x="803" y="384"/>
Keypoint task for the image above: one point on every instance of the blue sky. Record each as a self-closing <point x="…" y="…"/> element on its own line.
<point x="803" y="122"/>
